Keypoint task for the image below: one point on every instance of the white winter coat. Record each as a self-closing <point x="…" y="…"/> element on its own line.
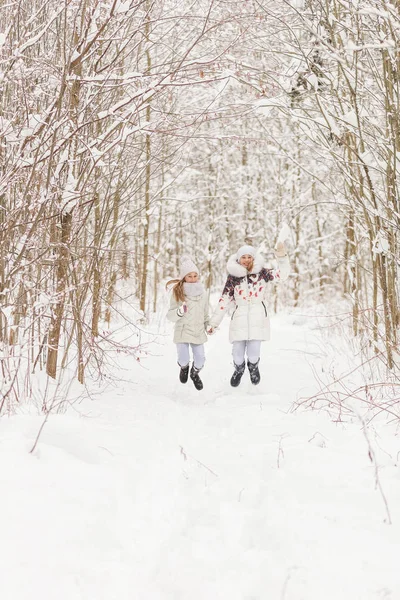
<point x="191" y="328"/>
<point x="246" y="293"/>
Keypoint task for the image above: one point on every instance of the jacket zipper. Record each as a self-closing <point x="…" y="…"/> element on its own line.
<point x="233" y="314"/>
<point x="265" y="309"/>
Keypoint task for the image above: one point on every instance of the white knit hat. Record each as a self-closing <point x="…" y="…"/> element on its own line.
<point x="245" y="250"/>
<point x="187" y="266"/>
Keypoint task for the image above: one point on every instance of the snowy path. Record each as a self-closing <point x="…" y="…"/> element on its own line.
<point x="166" y="493"/>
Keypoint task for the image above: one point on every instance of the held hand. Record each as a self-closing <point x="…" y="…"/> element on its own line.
<point x="211" y="330"/>
<point x="280" y="250"/>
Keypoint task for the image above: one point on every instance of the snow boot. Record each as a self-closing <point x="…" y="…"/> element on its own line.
<point x="184" y="374"/>
<point x="237" y="374"/>
<point x="254" y="372"/>
<point x="194" y="376"/>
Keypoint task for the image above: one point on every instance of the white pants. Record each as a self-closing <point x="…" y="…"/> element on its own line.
<point x="184" y="356"/>
<point x="252" y="347"/>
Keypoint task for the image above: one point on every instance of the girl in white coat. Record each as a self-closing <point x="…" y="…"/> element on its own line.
<point x="246" y="289"/>
<point x="189" y="311"/>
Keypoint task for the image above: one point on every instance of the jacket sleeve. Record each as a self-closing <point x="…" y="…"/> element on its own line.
<point x="283" y="270"/>
<point x="224" y="303"/>
<point x="172" y="315"/>
<point x="281" y="273"/>
<point x="206" y="314"/>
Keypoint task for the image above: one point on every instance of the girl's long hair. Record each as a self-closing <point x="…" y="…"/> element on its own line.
<point x="177" y="289"/>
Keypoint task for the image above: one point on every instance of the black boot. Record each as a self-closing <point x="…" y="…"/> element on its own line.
<point x="184" y="374"/>
<point x="254" y="372"/>
<point x="194" y="376"/>
<point x="237" y="375"/>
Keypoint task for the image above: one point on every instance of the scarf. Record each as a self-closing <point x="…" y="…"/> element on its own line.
<point x="193" y="289"/>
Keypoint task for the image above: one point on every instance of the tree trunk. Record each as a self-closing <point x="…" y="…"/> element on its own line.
<point x="145" y="260"/>
<point x="96" y="299"/>
<point x="58" y="308"/>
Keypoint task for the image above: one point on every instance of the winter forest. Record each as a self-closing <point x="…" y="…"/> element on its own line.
<point x="135" y="131"/>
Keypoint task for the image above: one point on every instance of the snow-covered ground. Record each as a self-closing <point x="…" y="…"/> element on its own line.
<point x="154" y="491"/>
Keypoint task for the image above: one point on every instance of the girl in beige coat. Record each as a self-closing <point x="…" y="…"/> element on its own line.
<point x="189" y="311"/>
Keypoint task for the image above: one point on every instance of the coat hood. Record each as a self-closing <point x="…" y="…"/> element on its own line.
<point x="237" y="270"/>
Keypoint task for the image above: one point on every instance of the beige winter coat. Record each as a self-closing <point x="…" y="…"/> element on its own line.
<point x="191" y="328"/>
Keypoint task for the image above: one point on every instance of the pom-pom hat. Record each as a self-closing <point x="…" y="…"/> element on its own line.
<point x="246" y="249"/>
<point x="187" y="266"/>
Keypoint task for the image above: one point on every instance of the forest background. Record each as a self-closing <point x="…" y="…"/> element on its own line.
<point x="134" y="131"/>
